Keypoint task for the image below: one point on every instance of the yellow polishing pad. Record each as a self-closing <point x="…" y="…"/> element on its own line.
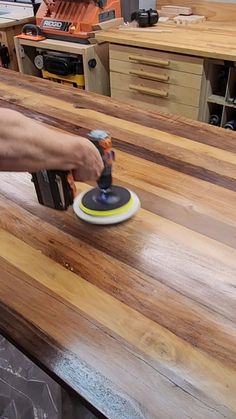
<point x="114" y="216"/>
<point x="108" y="213"/>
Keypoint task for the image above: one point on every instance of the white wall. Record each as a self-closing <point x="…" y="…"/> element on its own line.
<point x="148" y="4"/>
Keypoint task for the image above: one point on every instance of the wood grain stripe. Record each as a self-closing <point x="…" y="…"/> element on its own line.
<point x="175" y="125"/>
<point x="212" y="264"/>
<point x="130" y="287"/>
<point x="79" y="369"/>
<point x="142" y="333"/>
<point x="155" y="136"/>
<point x="86" y="356"/>
<point x="183" y="199"/>
<point x="174" y="152"/>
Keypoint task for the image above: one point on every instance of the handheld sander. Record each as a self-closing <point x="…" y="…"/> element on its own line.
<point x="106" y="204"/>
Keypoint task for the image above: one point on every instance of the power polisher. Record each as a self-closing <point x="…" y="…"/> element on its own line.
<point x="106" y="204"/>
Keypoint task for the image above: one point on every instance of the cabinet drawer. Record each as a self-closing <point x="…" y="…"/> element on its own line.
<point x="155" y="104"/>
<point x="154" y="89"/>
<point x="156" y="73"/>
<point x="148" y="57"/>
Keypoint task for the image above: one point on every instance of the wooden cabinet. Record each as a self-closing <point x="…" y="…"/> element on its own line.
<point x="157" y="80"/>
<point x="220" y="94"/>
<point x="7" y="39"/>
<point x="94" y="58"/>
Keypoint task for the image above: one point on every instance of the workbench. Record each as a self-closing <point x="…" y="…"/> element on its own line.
<point x="96" y="77"/>
<point x="13" y="16"/>
<point x="8" y="29"/>
<point x="138" y="319"/>
<point x="173" y="68"/>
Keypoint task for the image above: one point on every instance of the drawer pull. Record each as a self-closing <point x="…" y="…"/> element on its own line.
<point x="151" y="61"/>
<point x="149" y="76"/>
<point x="149" y="91"/>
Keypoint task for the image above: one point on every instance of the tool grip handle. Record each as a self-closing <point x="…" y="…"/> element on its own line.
<point x="33" y="29"/>
<point x="150" y="61"/>
<point x="148" y="91"/>
<point x="54" y="188"/>
<point x="149" y="76"/>
<point x="102" y="141"/>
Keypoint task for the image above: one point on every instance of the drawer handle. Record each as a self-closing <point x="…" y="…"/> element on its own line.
<point x="149" y="91"/>
<point x="150" y="76"/>
<point x="151" y="61"/>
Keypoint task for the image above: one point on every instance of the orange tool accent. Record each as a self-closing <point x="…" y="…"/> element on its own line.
<point x="71" y="182"/>
<point x="31" y="37"/>
<point x="31" y="32"/>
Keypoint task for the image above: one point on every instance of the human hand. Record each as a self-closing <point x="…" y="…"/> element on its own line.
<point x="27" y="146"/>
<point x="88" y="161"/>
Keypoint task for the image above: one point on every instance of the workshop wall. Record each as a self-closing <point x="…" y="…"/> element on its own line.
<point x="217" y="11"/>
<point x="129" y="6"/>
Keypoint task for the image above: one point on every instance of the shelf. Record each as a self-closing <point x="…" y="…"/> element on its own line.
<point x="219" y="100"/>
<point x="218" y="79"/>
<point x="220" y="87"/>
<point x="230" y="105"/>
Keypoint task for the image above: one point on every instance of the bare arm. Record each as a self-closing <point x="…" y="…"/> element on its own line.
<point x="28" y="146"/>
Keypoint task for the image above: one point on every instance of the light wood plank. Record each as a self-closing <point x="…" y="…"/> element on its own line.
<point x="213" y="159"/>
<point x="197" y="41"/>
<point x="82" y="295"/>
<point x="215" y="11"/>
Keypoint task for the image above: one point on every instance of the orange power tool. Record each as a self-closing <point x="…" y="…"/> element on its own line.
<point x="56" y="188"/>
<point x="71" y="20"/>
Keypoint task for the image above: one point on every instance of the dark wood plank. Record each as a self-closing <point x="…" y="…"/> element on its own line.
<point x="173" y="152"/>
<point x="172" y="124"/>
<point x="143" y="285"/>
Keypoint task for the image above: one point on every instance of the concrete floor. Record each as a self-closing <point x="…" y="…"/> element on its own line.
<point x="27" y="392"/>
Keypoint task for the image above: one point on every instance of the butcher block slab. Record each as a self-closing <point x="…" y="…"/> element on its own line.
<point x="138" y="319"/>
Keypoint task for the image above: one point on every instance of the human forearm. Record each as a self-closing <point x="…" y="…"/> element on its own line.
<point x="28" y="146"/>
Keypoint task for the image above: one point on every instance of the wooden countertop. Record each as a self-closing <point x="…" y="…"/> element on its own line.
<point x="9" y="23"/>
<point x="138" y="319"/>
<point x="210" y="39"/>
